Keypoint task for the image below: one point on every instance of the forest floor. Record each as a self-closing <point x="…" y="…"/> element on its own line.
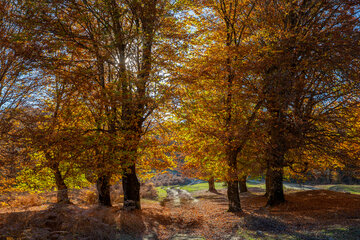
<point x="307" y="215"/>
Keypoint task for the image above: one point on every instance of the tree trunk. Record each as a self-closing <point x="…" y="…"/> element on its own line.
<point x="212" y="185"/>
<point x="267" y="180"/>
<point x="103" y="188"/>
<point x="233" y="196"/>
<point x="242" y="184"/>
<point x="276" y="192"/>
<point x="233" y="183"/>
<point x="62" y="189"/>
<point x="131" y="187"/>
<point x="278" y="145"/>
<point x="275" y="169"/>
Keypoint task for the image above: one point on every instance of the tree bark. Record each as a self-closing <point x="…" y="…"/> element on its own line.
<point x="103" y="188"/>
<point x="212" y="185"/>
<point x="267" y="180"/>
<point x="242" y="184"/>
<point x="62" y="189"/>
<point x="277" y="105"/>
<point x="276" y="192"/>
<point x="276" y="163"/>
<point x="233" y="183"/>
<point x="233" y="196"/>
<point x="131" y="187"/>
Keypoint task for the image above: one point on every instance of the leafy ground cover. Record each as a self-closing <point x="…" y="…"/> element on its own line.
<point x="307" y="215"/>
<point x="332" y="233"/>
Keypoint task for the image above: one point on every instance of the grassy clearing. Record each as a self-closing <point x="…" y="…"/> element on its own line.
<point x="201" y="186"/>
<point x="190" y="188"/>
<point x="255" y="185"/>
<point x="353" y="189"/>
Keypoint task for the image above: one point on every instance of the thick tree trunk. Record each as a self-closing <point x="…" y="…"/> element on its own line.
<point x="267" y="184"/>
<point x="131" y="187"/>
<point x="62" y="189"/>
<point x="212" y="185"/>
<point x="275" y="169"/>
<point x="267" y="180"/>
<point x="103" y="188"/>
<point x="233" y="183"/>
<point x="233" y="196"/>
<point x="242" y="184"/>
<point x="278" y="146"/>
<point x="276" y="192"/>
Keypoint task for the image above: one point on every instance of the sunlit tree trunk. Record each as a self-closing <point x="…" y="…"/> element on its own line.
<point x="62" y="189"/>
<point x="211" y="182"/>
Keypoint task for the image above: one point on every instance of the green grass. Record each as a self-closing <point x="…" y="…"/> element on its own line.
<point x="161" y="193"/>
<point x="201" y="186"/>
<point x="257" y="235"/>
<point x="190" y="188"/>
<point x="353" y="189"/>
<point x="338" y="233"/>
<point x="256" y="185"/>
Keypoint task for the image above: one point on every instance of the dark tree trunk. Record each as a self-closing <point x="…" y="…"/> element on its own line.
<point x="267" y="180"/>
<point x="276" y="192"/>
<point x="131" y="187"/>
<point x="242" y="184"/>
<point x="277" y="105"/>
<point x="233" y="183"/>
<point x="62" y="189"/>
<point x="233" y="196"/>
<point x="103" y="188"/>
<point x="275" y="169"/>
<point x="212" y="185"/>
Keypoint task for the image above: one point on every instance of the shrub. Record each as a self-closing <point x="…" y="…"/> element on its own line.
<point x="117" y="196"/>
<point x="148" y="191"/>
<point x="28" y="200"/>
<point x="90" y="197"/>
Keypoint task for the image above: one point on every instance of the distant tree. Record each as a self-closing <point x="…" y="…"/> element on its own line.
<point x="216" y="107"/>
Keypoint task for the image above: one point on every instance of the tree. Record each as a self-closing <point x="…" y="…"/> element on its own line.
<point x="308" y="58"/>
<point x="215" y="101"/>
<point x="57" y="135"/>
<point x="109" y="47"/>
<point x="19" y="80"/>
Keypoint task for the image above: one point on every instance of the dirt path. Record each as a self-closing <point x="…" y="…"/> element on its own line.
<point x="177" y="197"/>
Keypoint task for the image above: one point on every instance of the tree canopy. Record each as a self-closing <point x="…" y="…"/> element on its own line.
<point x="92" y="92"/>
